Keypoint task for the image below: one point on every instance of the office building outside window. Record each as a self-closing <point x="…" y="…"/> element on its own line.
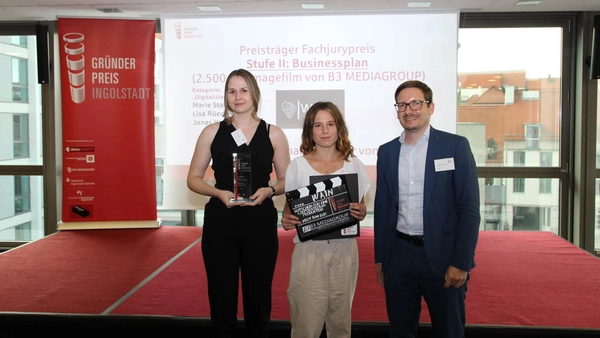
<point x="509" y="109"/>
<point x="21" y="202"/>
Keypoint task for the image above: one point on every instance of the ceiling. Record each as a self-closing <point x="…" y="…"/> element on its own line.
<point x="41" y="10"/>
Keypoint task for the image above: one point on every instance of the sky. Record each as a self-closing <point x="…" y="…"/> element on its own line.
<point x="536" y="50"/>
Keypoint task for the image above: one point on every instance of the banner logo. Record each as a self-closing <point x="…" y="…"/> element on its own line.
<point x="74" y="49"/>
<point x="178" y="30"/>
<point x="292" y="105"/>
<point x="186" y="32"/>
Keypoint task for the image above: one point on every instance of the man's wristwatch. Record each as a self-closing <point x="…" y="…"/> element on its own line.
<point x="272" y="191"/>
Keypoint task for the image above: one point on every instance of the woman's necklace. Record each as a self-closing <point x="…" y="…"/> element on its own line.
<point x="330" y="164"/>
<point x="325" y="165"/>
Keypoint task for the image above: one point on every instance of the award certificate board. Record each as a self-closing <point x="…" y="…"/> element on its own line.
<point x="352" y="186"/>
<point x="322" y="207"/>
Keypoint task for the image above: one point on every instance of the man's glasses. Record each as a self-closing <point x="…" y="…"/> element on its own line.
<point x="414" y="105"/>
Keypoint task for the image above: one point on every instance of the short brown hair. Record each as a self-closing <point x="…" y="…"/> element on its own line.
<point x="427" y="92"/>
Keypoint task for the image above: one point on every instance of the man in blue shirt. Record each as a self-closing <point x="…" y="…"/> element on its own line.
<point x="426" y="219"/>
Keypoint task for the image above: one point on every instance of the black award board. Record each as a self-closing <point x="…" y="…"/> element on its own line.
<point x="352" y="185"/>
<point x="322" y="207"/>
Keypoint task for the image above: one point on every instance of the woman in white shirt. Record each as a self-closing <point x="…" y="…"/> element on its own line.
<point x="323" y="272"/>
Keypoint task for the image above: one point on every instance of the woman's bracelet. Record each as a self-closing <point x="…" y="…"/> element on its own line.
<point x="272" y="191"/>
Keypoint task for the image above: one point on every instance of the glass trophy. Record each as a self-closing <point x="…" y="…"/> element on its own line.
<point x="242" y="177"/>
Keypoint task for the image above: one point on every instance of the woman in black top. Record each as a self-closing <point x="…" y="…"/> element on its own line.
<point x="240" y="236"/>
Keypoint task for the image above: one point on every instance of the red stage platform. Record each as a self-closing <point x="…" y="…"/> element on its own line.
<point x="529" y="284"/>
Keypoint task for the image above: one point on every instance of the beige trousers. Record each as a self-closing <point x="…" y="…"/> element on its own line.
<point x="322" y="283"/>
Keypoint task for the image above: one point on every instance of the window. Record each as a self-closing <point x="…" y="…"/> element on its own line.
<point x="518" y="98"/>
<point x="160" y="168"/>
<point x="545" y="159"/>
<point x="20" y="136"/>
<point x="19" y="40"/>
<point x="597" y="218"/>
<point x="519" y="185"/>
<point x="513" y="209"/>
<point x="493" y="217"/>
<point x="545" y="185"/>
<point x="23" y="209"/>
<point x="519" y="158"/>
<point x="532" y="136"/>
<point x="23" y="232"/>
<point x="526" y="218"/>
<point x="19" y="80"/>
<point x="515" y="95"/>
<point x="22" y="194"/>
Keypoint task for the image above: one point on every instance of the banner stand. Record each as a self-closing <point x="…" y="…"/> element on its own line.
<point x="153" y="224"/>
<point x="108" y="141"/>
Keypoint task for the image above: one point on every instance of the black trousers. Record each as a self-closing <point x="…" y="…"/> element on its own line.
<point x="248" y="248"/>
<point x="409" y="278"/>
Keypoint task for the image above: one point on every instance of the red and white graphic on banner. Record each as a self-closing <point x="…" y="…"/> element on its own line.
<point x="107" y="83"/>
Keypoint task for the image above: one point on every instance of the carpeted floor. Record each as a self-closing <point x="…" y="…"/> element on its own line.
<point x="522" y="279"/>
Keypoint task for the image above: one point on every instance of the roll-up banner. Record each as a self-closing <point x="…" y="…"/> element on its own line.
<point x="107" y="84"/>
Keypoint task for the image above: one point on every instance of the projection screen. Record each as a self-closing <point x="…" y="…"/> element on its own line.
<point x="353" y="60"/>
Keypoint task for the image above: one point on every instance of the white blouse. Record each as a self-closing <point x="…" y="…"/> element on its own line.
<point x="299" y="171"/>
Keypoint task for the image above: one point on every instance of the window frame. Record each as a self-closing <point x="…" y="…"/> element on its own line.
<point x="50" y="124"/>
<point x="561" y="172"/>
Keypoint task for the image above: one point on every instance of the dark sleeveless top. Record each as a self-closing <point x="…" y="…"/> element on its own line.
<point x="223" y="146"/>
<point x="258" y="222"/>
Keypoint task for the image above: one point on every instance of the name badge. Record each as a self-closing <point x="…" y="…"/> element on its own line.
<point x="444" y="164"/>
<point x="239" y="137"/>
